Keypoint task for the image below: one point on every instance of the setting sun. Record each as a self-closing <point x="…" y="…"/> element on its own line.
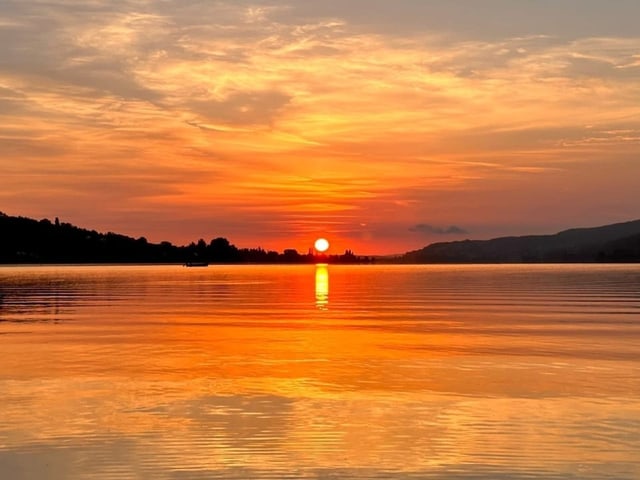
<point x="321" y="245"/>
<point x="170" y="301"/>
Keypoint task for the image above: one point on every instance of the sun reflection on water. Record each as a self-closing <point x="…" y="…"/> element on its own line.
<point x="227" y="372"/>
<point x="322" y="286"/>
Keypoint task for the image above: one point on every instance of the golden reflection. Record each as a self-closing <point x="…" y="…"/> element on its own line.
<point x="322" y="286"/>
<point x="234" y="377"/>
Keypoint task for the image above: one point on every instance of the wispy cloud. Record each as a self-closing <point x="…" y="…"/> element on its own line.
<point x="432" y="229"/>
<point x="215" y="109"/>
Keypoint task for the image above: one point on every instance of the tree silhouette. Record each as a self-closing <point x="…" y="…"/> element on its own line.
<point x="25" y="240"/>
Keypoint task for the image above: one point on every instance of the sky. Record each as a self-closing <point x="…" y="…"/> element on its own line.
<point x="381" y="125"/>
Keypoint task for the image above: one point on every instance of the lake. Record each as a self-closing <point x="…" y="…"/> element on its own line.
<point x="320" y="372"/>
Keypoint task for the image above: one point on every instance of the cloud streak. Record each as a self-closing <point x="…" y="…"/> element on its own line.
<point x="431" y="229"/>
<point x="318" y="111"/>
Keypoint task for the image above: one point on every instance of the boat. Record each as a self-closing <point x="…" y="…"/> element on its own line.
<point x="196" y="264"/>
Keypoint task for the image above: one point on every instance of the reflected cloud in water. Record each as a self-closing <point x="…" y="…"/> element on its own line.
<point x="454" y="372"/>
<point x="322" y="286"/>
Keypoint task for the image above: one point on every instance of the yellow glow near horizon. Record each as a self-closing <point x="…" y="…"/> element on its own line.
<point x="403" y="134"/>
<point x="322" y="245"/>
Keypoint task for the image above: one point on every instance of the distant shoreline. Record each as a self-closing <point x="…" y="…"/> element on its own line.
<point x="248" y="264"/>
<point x="26" y="241"/>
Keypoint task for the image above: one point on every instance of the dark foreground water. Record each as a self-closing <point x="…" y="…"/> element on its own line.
<point x="383" y="372"/>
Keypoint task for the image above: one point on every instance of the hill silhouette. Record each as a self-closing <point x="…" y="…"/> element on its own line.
<point x="25" y="240"/>
<point x="619" y="242"/>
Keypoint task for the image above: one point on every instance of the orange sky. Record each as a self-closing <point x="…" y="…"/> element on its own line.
<point x="383" y="126"/>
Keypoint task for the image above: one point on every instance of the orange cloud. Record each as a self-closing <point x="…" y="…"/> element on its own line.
<point x="265" y="115"/>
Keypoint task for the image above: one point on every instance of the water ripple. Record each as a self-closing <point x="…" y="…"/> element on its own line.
<point x="378" y="372"/>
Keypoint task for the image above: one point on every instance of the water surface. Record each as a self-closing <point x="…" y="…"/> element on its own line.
<point x="316" y="372"/>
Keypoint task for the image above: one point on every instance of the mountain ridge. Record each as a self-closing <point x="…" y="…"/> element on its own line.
<point x="618" y="242"/>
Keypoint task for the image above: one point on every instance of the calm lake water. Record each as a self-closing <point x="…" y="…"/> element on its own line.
<point x="316" y="372"/>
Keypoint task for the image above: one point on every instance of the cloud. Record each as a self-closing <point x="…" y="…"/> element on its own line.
<point x="489" y="19"/>
<point x="299" y="115"/>
<point x="242" y="108"/>
<point x="432" y="229"/>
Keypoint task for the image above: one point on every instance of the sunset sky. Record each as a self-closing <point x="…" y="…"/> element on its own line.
<point x="382" y="125"/>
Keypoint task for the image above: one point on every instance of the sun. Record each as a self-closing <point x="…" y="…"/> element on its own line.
<point x="321" y="245"/>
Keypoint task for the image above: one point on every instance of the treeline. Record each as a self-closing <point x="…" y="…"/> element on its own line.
<point x="25" y="240"/>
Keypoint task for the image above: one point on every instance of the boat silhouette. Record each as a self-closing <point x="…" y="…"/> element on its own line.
<point x="196" y="264"/>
